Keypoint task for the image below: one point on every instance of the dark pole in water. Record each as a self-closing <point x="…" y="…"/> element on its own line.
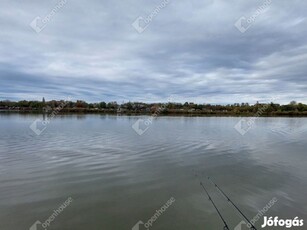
<point x="228" y="199"/>
<point x="225" y="224"/>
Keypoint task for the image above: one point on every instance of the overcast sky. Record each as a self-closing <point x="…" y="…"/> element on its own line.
<point x="190" y="50"/>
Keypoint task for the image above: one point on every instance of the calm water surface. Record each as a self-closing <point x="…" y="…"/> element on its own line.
<point x="117" y="177"/>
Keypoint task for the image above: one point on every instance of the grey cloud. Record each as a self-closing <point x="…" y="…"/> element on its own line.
<point x="191" y="49"/>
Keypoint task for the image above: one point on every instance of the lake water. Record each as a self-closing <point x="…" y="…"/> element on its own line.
<point x="117" y="177"/>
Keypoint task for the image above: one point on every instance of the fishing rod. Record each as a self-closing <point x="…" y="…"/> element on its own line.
<point x="225" y="224"/>
<point x="228" y="199"/>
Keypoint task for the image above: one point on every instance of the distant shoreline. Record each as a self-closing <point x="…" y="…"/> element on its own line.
<point x="163" y="113"/>
<point x="187" y="109"/>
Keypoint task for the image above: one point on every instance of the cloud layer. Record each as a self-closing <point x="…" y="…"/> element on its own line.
<point x="191" y="50"/>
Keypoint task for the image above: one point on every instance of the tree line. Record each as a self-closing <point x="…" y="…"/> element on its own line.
<point x="293" y="108"/>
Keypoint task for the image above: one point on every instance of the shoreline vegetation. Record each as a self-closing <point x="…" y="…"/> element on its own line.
<point x="164" y="109"/>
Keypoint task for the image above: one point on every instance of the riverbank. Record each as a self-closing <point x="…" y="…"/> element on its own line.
<point x="163" y="113"/>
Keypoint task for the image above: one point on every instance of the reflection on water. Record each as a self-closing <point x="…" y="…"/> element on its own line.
<point x="117" y="177"/>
